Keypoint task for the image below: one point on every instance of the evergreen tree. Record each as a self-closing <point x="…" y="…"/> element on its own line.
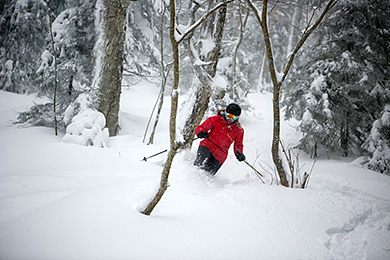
<point x="143" y="38"/>
<point x="24" y="28"/>
<point x="378" y="143"/>
<point x="74" y="37"/>
<point x="343" y="85"/>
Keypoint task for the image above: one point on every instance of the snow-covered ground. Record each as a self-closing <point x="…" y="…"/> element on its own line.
<point x="65" y="201"/>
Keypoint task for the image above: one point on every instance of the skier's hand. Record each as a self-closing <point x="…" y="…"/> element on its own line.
<point x="240" y="156"/>
<point x="203" y="134"/>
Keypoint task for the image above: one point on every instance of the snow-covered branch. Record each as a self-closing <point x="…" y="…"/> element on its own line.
<point x="181" y="36"/>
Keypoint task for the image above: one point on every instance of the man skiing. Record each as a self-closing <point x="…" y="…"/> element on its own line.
<point x="219" y="132"/>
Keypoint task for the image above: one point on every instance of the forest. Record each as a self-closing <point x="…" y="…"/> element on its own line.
<point x="99" y="101"/>
<point x="326" y="62"/>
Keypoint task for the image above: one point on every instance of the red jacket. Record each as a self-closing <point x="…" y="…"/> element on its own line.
<point x="221" y="135"/>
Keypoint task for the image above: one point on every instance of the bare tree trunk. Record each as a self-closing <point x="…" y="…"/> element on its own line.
<point x="159" y="109"/>
<point x="172" y="122"/>
<point x="55" y="71"/>
<point x="213" y="27"/>
<point x="234" y="58"/>
<point x="174" y="146"/>
<point x="277" y="82"/>
<point x="344" y="136"/>
<point x="296" y="20"/>
<point x="164" y="79"/>
<point x="163" y="183"/>
<point x="262" y="73"/>
<point x="111" y="75"/>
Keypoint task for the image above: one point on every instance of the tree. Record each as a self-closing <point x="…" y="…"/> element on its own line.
<point x="236" y="79"/>
<point x="24" y="28"/>
<point x="205" y="70"/>
<point x="378" y="143"/>
<point x="143" y="41"/>
<point x="55" y="73"/>
<point x="172" y="123"/>
<point x="110" y="74"/>
<point x="174" y="144"/>
<point x="342" y="87"/>
<point x="164" y="75"/>
<point x="65" y="62"/>
<point x="277" y="80"/>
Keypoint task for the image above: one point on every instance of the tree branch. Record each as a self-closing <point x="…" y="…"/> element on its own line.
<point x="202" y="19"/>
<point x="305" y="36"/>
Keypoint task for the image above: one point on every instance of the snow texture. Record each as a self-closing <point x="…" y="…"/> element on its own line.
<point x="64" y="201"/>
<point x="87" y="127"/>
<point x="99" y="49"/>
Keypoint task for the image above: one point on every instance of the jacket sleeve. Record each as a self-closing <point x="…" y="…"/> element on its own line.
<point x="238" y="142"/>
<point x="206" y="126"/>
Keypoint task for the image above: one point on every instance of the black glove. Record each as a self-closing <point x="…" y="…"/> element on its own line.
<point x="240" y="156"/>
<point x="203" y="134"/>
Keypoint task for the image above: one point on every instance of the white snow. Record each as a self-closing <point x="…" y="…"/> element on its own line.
<point x="386" y="115"/>
<point x="87" y="126"/>
<point x="99" y="48"/>
<point x="9" y="64"/>
<point x="65" y="201"/>
<point x="47" y="60"/>
<point x="207" y="45"/>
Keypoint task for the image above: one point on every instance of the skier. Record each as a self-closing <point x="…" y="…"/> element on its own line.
<point x="219" y="132"/>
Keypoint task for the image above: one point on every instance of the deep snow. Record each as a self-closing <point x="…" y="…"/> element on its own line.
<point x="65" y="201"/>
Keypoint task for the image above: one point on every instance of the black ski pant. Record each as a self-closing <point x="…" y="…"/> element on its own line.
<point x="206" y="161"/>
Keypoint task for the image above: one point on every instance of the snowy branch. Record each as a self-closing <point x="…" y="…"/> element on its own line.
<point x="329" y="6"/>
<point x="200" y="21"/>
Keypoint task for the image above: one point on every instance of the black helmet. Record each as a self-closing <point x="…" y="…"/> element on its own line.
<point x="233" y="109"/>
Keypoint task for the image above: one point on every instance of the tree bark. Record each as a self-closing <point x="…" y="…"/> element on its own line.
<point x="111" y="74"/>
<point x="277" y="82"/>
<point x="163" y="81"/>
<point x="163" y="182"/>
<point x="174" y="146"/>
<point x="213" y="27"/>
<point x="55" y="71"/>
<point x="172" y="122"/>
<point x="276" y="100"/>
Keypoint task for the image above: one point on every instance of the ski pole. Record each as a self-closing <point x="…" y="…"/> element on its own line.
<point x="258" y="174"/>
<point x="146" y="158"/>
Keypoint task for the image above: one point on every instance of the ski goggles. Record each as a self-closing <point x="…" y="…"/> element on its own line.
<point x="231" y="116"/>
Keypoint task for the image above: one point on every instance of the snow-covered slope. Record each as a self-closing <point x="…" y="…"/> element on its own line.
<point x="64" y="201"/>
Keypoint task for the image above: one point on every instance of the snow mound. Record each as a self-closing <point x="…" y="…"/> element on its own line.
<point x="87" y="127"/>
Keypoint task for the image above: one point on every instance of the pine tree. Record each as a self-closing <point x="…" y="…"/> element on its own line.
<point x="24" y="29"/>
<point x="378" y="143"/>
<point x="74" y="37"/>
<point x="142" y="46"/>
<point x="340" y="89"/>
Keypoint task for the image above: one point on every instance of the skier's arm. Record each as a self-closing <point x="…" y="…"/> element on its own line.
<point x="238" y="142"/>
<point x="206" y="126"/>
